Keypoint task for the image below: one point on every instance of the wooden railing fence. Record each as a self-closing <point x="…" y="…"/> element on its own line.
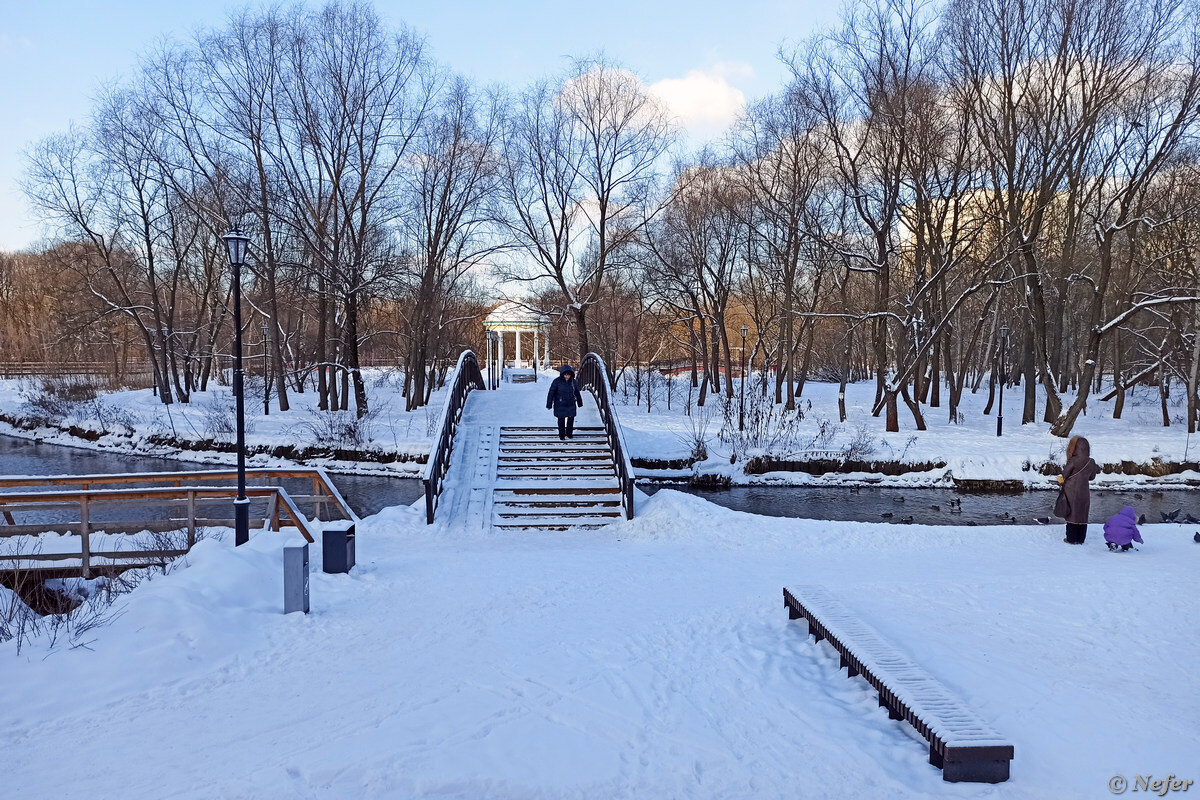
<point x="183" y="504"/>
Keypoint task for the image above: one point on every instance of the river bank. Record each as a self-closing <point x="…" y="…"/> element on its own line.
<point x="699" y="447"/>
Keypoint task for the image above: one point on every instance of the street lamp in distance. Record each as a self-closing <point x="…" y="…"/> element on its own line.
<point x="1003" y="377"/>
<point x="237" y="244"/>
<point x="742" y="402"/>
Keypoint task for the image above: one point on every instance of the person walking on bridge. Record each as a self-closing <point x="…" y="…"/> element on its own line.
<point x="564" y="398"/>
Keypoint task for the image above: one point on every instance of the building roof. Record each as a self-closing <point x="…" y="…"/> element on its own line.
<point x="512" y="313"/>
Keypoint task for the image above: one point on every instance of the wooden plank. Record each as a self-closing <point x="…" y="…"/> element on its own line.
<point x="112" y="527"/>
<point x="113" y="554"/>
<point x="156" y="477"/>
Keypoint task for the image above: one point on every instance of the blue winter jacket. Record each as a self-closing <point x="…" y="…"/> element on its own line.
<point x="564" y="397"/>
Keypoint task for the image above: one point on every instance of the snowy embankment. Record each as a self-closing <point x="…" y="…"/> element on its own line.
<point x="389" y="441"/>
<point x="1136" y="450"/>
<point x="652" y="659"/>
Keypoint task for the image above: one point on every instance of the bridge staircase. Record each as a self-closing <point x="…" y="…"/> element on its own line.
<point x="508" y="475"/>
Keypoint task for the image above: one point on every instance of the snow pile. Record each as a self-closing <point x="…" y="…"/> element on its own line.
<point x="652" y="659"/>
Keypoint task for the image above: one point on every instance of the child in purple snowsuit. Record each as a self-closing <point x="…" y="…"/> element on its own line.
<point x="1120" y="532"/>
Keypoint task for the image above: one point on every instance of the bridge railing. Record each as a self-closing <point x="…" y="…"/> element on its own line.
<point x="593" y="375"/>
<point x="324" y="498"/>
<point x="466" y="376"/>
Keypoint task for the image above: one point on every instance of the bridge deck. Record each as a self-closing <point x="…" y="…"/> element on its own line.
<point x="472" y="481"/>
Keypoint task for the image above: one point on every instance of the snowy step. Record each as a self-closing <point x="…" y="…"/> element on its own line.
<point x="961" y="744"/>
<point x="578" y="428"/>
<point x="511" y="441"/>
<point x="535" y="432"/>
<point x="564" y="466"/>
<point x="552" y="516"/>
<point x="522" y="525"/>
<point x="542" y="474"/>
<point x="555" y="455"/>
<point x="558" y="501"/>
<point x="581" y="486"/>
<point x="556" y="446"/>
<point x="552" y="437"/>
<point x="561" y="468"/>
<point x="548" y="478"/>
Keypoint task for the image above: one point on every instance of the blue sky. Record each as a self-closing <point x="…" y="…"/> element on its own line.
<point x="704" y="58"/>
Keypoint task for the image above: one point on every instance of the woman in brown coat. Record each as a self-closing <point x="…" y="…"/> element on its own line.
<point x="1075" y="499"/>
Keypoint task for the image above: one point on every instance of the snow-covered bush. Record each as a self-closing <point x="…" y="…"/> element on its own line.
<point x="342" y="429"/>
<point x="768" y="427"/>
<point x="695" y="434"/>
<point x="52" y="400"/>
<point x="219" y="413"/>
<point x="110" y="418"/>
<point x="862" y="445"/>
<point x="73" y="400"/>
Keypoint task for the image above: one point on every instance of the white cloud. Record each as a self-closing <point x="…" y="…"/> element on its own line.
<point x="704" y="101"/>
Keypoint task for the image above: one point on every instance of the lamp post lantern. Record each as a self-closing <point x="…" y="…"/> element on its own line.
<point x="1003" y="378"/>
<point x="236" y="245"/>
<point x="742" y="402"/>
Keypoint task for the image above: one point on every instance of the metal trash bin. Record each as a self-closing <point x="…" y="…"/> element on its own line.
<point x="295" y="578"/>
<point x="337" y="547"/>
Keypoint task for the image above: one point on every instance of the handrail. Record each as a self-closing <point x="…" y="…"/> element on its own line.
<point x="280" y="506"/>
<point x="593" y="375"/>
<point x="466" y="377"/>
<point x="180" y="479"/>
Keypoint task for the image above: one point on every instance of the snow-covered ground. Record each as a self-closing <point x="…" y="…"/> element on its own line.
<point x="653" y="659"/>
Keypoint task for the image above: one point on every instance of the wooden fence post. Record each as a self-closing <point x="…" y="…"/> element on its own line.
<point x="191" y="521"/>
<point x="85" y="538"/>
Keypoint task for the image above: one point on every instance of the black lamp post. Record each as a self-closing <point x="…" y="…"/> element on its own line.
<point x="1003" y="378"/>
<point x="742" y="402"/>
<point x="236" y="245"/>
<point x="266" y="373"/>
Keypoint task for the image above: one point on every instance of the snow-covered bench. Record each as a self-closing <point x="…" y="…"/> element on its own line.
<point x="962" y="745"/>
